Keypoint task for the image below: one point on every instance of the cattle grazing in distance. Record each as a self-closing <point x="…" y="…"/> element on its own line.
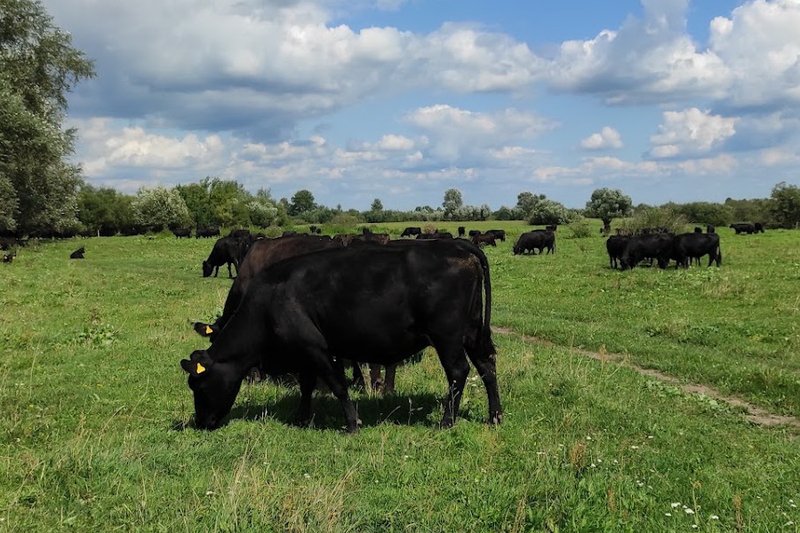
<point x="462" y="231"/>
<point x="438" y="234"/>
<point x="747" y="227"/>
<point x="78" y="254"/>
<point x="206" y="232"/>
<point x="411" y="231"/>
<point x="615" y="246"/>
<point x="710" y="228"/>
<point x="499" y="234"/>
<point x="436" y="298"/>
<point x="315" y="230"/>
<point x="693" y="246"/>
<point x="225" y="252"/>
<point x="484" y="239"/>
<point x="182" y="232"/>
<point x="532" y="241"/>
<point x="473" y="232"/>
<point x="656" y="246"/>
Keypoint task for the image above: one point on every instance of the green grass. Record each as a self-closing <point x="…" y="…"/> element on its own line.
<point x="93" y="436"/>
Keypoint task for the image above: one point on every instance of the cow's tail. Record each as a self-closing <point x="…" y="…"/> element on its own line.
<point x="486" y="328"/>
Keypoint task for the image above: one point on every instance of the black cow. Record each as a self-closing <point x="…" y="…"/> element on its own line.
<point x="743" y="227"/>
<point x="182" y="232"/>
<point x="656" y="246"/>
<point x="758" y="227"/>
<point x="304" y="314"/>
<point x="212" y="231"/>
<point x="689" y="246"/>
<point x="78" y="254"/>
<point x="462" y="231"/>
<point x="434" y="235"/>
<point x="411" y="231"/>
<point x="710" y="228"/>
<point x="615" y="245"/>
<point x="473" y="232"/>
<point x="485" y="238"/>
<point x="535" y="240"/>
<point x="551" y="227"/>
<point x="226" y="251"/>
<point x="499" y="234"/>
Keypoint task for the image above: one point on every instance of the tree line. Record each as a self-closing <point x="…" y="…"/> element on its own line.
<point x="41" y="193"/>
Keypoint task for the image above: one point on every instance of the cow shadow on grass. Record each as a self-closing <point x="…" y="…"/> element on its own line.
<point x="414" y="409"/>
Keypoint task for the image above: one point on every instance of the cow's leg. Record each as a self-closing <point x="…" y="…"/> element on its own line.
<point x="375" y="381"/>
<point x="358" y="382"/>
<point x="216" y="271"/>
<point x="487" y="369"/>
<point x="456" y="368"/>
<point x="307" y="382"/>
<point x="230" y="275"/>
<point x="332" y="373"/>
<point x="388" y="385"/>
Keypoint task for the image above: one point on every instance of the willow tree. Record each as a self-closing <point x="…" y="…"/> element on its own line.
<point x="38" y="68"/>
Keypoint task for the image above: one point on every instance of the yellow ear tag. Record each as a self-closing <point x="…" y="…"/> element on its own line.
<point x="200" y="368"/>
<point x="209" y="331"/>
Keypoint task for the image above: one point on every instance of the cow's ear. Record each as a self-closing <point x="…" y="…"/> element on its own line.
<point x="198" y="363"/>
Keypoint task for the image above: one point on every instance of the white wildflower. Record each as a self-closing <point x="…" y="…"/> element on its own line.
<point x="688" y="511"/>
<point x="676" y="504"/>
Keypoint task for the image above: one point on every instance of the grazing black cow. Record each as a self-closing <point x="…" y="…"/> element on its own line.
<point x="378" y="304"/>
<point x="615" y="245"/>
<point x="535" y="240"/>
<point x="473" y="232"/>
<point x="499" y="234"/>
<point x="743" y="227"/>
<point x="656" y="246"/>
<point x="182" y="232"/>
<point x="758" y="227"/>
<point x="689" y="246"/>
<point x="485" y="238"/>
<point x="212" y="231"/>
<point x="411" y="231"/>
<point x="462" y="231"/>
<point x="226" y="251"/>
<point x="78" y="254"/>
<point x="436" y="235"/>
<point x="698" y="229"/>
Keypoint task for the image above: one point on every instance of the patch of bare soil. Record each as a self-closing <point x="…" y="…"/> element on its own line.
<point x="753" y="413"/>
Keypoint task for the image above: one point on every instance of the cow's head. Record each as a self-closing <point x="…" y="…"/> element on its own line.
<point x="207" y="269"/>
<point x="215" y="385"/>
<point x="209" y="331"/>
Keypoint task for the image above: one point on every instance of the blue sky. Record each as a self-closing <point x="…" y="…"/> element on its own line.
<point x="402" y="99"/>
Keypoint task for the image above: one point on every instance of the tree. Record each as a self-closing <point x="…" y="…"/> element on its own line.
<point x="608" y="204"/>
<point x="38" y="67"/>
<point x="786" y="204"/>
<point x="159" y="208"/>
<point x="546" y="211"/>
<point x="452" y="201"/>
<point x="377" y="206"/>
<point x="104" y="210"/>
<point x="526" y="202"/>
<point x="302" y="201"/>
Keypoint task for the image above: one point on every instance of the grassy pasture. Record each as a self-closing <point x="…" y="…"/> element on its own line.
<point x="93" y="434"/>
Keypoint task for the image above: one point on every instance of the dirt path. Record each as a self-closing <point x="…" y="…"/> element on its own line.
<point x="753" y="413"/>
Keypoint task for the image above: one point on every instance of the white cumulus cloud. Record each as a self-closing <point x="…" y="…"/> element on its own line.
<point x="608" y="137"/>
<point x="690" y="132"/>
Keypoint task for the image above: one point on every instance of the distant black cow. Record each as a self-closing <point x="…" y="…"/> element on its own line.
<point x="462" y="231"/>
<point x="182" y="232"/>
<point x="226" y="251"/>
<point x="743" y="227"/>
<point x="499" y="234"/>
<point x="615" y="245"/>
<point x="485" y="238"/>
<point x="532" y="241"/>
<point x="304" y="314"/>
<point x="212" y="231"/>
<point x="656" y="246"/>
<point x="758" y="227"/>
<point x="436" y="235"/>
<point x="473" y="232"/>
<point x="410" y="231"/>
<point x="710" y="228"/>
<point x="689" y="246"/>
<point x="698" y="229"/>
<point x="315" y="230"/>
<point x="78" y="254"/>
